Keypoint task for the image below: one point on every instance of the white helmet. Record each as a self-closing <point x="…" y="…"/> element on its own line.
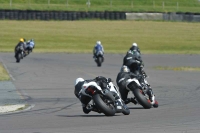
<point x="99" y="42"/>
<point x="78" y="80"/>
<point x="134" y="44"/>
<point x="125" y="69"/>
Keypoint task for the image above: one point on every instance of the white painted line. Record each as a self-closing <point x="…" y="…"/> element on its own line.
<point x="11" y="108"/>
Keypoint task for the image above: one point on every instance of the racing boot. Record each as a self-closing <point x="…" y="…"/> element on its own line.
<point x="128" y="100"/>
<point x="151" y="96"/>
<point x="155" y="105"/>
<point x="85" y="109"/>
<point x="118" y="106"/>
<point x="94" y="108"/>
<point x="153" y="101"/>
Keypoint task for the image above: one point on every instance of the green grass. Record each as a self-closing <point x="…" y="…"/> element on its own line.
<point x="102" y="5"/>
<point x="116" y="36"/>
<point x="3" y="73"/>
<point x="178" y="68"/>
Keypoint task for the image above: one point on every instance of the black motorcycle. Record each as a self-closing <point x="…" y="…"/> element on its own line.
<point x="19" y="53"/>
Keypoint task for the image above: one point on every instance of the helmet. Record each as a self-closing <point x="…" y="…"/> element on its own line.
<point x="78" y="80"/>
<point x="31" y="40"/>
<point x="134" y="47"/>
<point x="21" y="40"/>
<point x="134" y="44"/>
<point x="98" y="42"/>
<point x="125" y="69"/>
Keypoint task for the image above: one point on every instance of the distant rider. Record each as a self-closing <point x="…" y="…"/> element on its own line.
<point x="97" y="47"/>
<point x="133" y="59"/>
<point x="103" y="83"/>
<point x="20" y="43"/>
<point x="30" y="45"/>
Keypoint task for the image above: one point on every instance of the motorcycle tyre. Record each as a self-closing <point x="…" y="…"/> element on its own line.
<point x="18" y="57"/>
<point x="101" y="105"/>
<point x="99" y="61"/>
<point x="141" y="99"/>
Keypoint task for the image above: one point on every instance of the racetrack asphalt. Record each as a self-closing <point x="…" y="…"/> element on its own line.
<point x="46" y="82"/>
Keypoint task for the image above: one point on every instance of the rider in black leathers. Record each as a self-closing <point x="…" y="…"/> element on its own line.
<point x="132" y="68"/>
<point x="122" y="77"/>
<point x="20" y="43"/>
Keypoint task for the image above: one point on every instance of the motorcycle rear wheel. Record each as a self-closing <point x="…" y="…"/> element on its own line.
<point x="140" y="97"/>
<point x="103" y="105"/>
<point x="99" y="61"/>
<point x="18" y="57"/>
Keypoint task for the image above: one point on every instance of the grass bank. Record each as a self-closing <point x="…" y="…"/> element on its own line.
<point x="3" y="73"/>
<point x="116" y="36"/>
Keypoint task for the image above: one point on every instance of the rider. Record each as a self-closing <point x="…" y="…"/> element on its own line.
<point x="122" y="77"/>
<point x="133" y="59"/>
<point x="20" y="43"/>
<point x="135" y="47"/>
<point x="97" y="47"/>
<point x="30" y="45"/>
<point x="103" y="83"/>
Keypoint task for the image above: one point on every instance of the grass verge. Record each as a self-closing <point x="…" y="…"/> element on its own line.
<point x="178" y="68"/>
<point x="3" y="73"/>
<point x="116" y="36"/>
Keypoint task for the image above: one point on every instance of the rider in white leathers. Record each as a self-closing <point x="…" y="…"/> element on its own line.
<point x="30" y="45"/>
<point x="84" y="99"/>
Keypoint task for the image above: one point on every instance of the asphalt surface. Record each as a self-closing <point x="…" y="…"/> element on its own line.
<point x="46" y="81"/>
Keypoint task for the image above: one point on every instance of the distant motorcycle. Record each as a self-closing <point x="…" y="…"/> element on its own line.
<point x="99" y="58"/>
<point x="103" y="101"/>
<point x="30" y="46"/>
<point x="19" y="53"/>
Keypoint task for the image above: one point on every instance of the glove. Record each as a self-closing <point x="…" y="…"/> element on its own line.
<point x="139" y="77"/>
<point x="138" y="62"/>
<point x="132" y="75"/>
<point x="109" y="80"/>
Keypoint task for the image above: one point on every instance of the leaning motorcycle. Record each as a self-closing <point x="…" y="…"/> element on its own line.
<point x="99" y="58"/>
<point x="19" y="53"/>
<point x="102" y="100"/>
<point x="142" y="91"/>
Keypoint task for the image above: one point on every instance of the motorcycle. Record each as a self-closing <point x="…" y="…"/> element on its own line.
<point x="99" y="58"/>
<point x="19" y="53"/>
<point x="142" y="91"/>
<point x="103" y="100"/>
<point x="30" y="47"/>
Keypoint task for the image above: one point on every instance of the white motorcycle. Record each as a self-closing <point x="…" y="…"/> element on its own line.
<point x="103" y="100"/>
<point x="141" y="90"/>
